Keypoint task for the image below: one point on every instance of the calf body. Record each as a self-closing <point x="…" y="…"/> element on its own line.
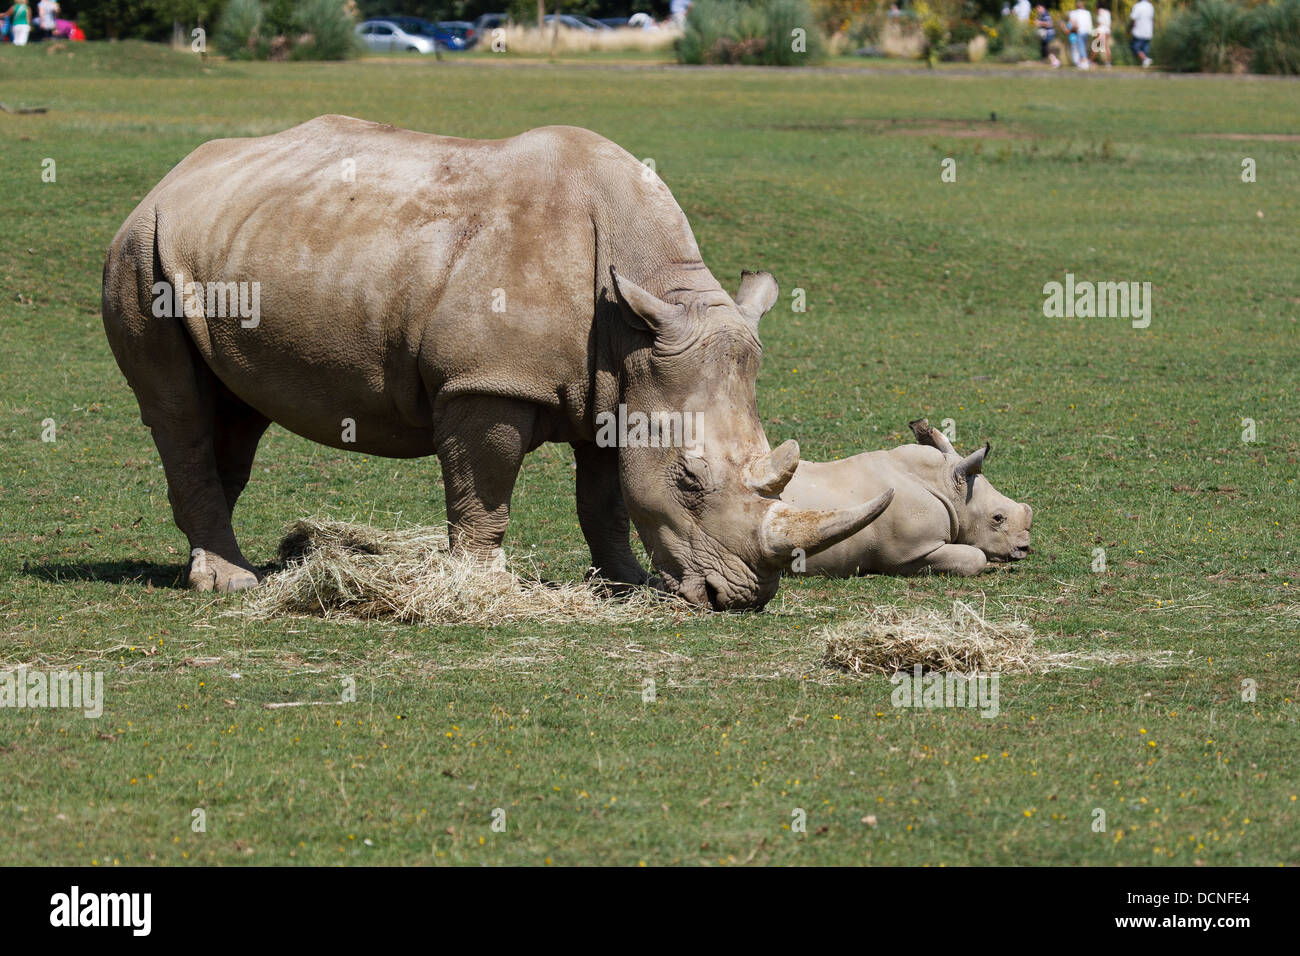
<point x="945" y="516"/>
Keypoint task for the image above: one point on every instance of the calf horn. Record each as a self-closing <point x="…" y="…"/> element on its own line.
<point x="770" y="473"/>
<point x="972" y="464"/>
<point x="787" y="528"/>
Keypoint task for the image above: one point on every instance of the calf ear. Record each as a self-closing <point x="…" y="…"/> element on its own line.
<point x="757" y="294"/>
<point x="928" y="435"/>
<point x="641" y="310"/>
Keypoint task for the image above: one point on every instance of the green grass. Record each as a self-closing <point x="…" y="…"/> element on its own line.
<point x="924" y="299"/>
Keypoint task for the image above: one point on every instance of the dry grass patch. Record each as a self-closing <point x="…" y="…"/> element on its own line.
<point x="521" y="39"/>
<point x="890" y="639"/>
<point x="338" y="570"/>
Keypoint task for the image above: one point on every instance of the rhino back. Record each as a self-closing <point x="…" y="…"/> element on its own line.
<point x="398" y="269"/>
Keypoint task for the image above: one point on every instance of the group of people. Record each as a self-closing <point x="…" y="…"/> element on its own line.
<point x="1089" y="44"/>
<point x="17" y="26"/>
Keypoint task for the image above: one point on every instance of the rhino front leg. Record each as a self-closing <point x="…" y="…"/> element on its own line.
<point x="481" y="447"/>
<point x="602" y="515"/>
<point x="963" y="559"/>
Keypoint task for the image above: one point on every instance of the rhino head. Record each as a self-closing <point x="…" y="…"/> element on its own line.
<point x="986" y="518"/>
<point x="707" y="509"/>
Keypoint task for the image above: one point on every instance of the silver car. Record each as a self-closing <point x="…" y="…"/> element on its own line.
<point x="384" y="36"/>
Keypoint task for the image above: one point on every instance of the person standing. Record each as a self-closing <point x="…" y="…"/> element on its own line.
<point x="1080" y="34"/>
<point x="1046" y="34"/>
<point x="1101" y="46"/>
<point x="46" y="11"/>
<point x="20" y="22"/>
<point x="1142" y="27"/>
<point x="1021" y="10"/>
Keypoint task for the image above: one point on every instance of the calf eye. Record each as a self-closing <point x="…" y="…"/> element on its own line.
<point x="999" y="517"/>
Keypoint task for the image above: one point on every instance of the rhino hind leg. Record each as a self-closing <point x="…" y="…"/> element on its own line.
<point x="176" y="392"/>
<point x="238" y="429"/>
<point x="481" y="447"/>
<point x="602" y="514"/>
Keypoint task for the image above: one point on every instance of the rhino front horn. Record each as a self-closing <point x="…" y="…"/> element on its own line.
<point x="770" y="473"/>
<point x="787" y="528"/>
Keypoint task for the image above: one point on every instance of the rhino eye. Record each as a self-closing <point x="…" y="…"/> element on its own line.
<point x="694" y="475"/>
<point x="999" y="517"/>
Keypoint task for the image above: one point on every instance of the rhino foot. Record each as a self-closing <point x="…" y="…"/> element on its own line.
<point x="619" y="580"/>
<point x="211" y="573"/>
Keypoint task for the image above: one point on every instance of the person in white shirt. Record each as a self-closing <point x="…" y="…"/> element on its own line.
<point x="1021" y="10"/>
<point x="1080" y="34"/>
<point x="1142" y="27"/>
<point x="46" y="11"/>
<point x="1101" y="40"/>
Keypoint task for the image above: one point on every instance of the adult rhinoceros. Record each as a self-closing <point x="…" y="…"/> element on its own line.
<point x="402" y="294"/>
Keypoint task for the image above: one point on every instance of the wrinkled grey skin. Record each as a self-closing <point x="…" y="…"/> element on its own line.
<point x="465" y="298"/>
<point x="945" y="516"/>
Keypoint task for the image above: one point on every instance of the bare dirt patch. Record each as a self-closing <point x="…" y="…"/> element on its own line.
<point x="1266" y="137"/>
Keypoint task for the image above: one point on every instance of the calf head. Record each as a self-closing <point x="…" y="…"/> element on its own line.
<point x="707" y="506"/>
<point x="986" y="518"/>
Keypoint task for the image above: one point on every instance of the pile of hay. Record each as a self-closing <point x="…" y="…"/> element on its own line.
<point x="334" y="569"/>
<point x="891" y="639"/>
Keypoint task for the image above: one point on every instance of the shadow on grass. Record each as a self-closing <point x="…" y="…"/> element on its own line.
<point x="112" y="572"/>
<point x="143" y="573"/>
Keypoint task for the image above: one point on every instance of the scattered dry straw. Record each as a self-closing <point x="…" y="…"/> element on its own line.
<point x="891" y="639"/>
<point x="335" y="569"/>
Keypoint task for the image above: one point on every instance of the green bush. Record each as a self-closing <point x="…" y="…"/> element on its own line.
<point x="1211" y="37"/>
<point x="249" y="29"/>
<point x="1274" y="36"/>
<point x="752" y="32"/>
<point x="331" y="30"/>
<point x="1013" y="41"/>
<point x="239" y="31"/>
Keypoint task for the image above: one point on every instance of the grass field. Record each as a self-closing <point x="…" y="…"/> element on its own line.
<point x="924" y="298"/>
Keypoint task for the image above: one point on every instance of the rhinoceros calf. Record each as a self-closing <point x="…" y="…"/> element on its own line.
<point x="400" y="294"/>
<point x="945" y="516"/>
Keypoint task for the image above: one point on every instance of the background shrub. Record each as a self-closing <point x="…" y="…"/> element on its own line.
<point x="1273" y="32"/>
<point x="750" y="31"/>
<point x="239" y="31"/>
<point x="331" y="29"/>
<point x="302" y="29"/>
<point x="1211" y="37"/>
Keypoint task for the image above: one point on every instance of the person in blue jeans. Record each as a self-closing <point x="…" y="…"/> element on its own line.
<point x="1046" y="34"/>
<point x="1142" y="22"/>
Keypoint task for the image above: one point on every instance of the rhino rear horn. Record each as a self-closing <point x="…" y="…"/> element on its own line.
<point x="972" y="464"/>
<point x="770" y="473"/>
<point x="645" y="311"/>
<point x="787" y="528"/>
<point x="926" y="434"/>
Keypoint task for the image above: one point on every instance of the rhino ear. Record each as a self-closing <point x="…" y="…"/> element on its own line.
<point x="642" y="310"/>
<point x="972" y="464"/>
<point x="757" y="294"/>
<point x="926" y="434"/>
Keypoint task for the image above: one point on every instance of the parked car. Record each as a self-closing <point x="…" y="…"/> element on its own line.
<point x="614" y="22"/>
<point x="576" y="23"/>
<point x="463" y="29"/>
<point x="385" y="36"/>
<point x="488" y="22"/>
<point x="414" y="26"/>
